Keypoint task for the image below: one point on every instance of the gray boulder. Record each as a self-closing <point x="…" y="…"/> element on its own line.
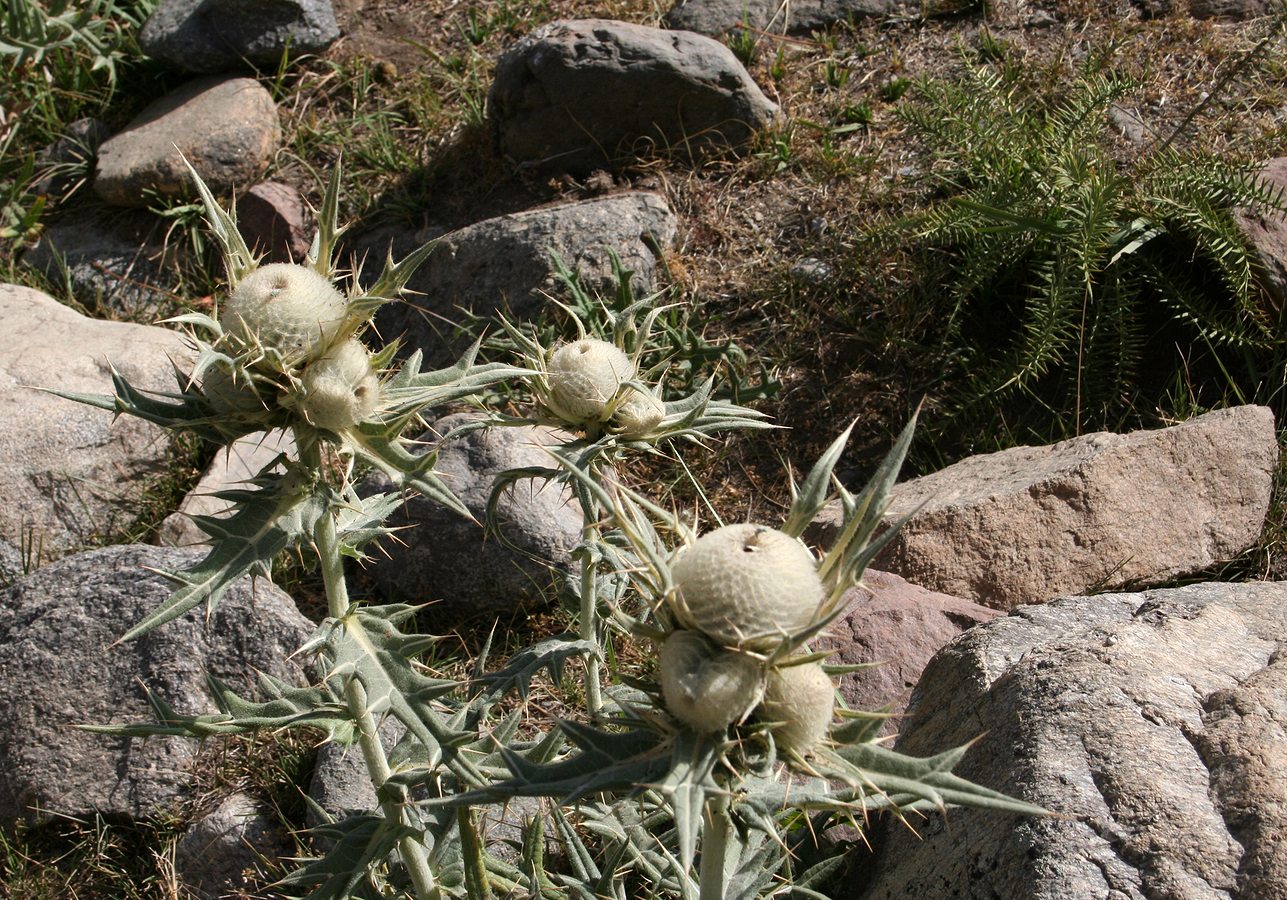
<point x="227" y="129"/>
<point x="111" y="260"/>
<point x="60" y="667"/>
<point x="506" y="263"/>
<point x="718" y="17"/>
<point x="447" y="560"/>
<point x="208" y="36"/>
<point x="1102" y="510"/>
<point x="1152" y="722"/>
<point x="72" y="474"/>
<point x="898" y="627"/>
<point x="574" y="96"/>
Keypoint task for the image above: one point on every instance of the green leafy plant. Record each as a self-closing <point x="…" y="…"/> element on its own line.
<point x="684" y="782"/>
<point x="1068" y="269"/>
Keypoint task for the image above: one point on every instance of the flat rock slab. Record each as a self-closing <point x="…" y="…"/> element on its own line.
<point x="112" y="260"/>
<point x="899" y="626"/>
<point x="1154" y="722"/>
<point x="71" y="473"/>
<point x="448" y="561"/>
<point x="1102" y="510"/>
<point x="226" y="127"/>
<point x="506" y="263"/>
<point x="578" y="95"/>
<point x="59" y="668"/>
<point x="207" y="36"/>
<point x="718" y="17"/>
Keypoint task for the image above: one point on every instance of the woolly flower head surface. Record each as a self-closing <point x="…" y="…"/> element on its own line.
<point x="584" y="376"/>
<point x="800" y="700"/>
<point x="639" y="414"/>
<point x="704" y="686"/>
<point x="289" y="307"/>
<point x="747" y="586"/>
<point x="340" y="390"/>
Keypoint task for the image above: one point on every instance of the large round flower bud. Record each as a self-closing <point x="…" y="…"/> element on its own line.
<point x="799" y="700"/>
<point x="288" y="307"/>
<point x="584" y="376"/>
<point x="706" y="687"/>
<point x="340" y="389"/>
<point x="747" y="586"/>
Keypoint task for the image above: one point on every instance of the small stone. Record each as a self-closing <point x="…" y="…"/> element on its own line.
<point x="1031" y="523"/>
<point x="115" y="262"/>
<point x="227" y="129"/>
<point x="575" y="96"/>
<point x="207" y="36"/>
<point x="812" y="272"/>
<point x="899" y="627"/>
<point x="220" y="850"/>
<point x="1266" y="232"/>
<point x="274" y="219"/>
<point x="70" y="473"/>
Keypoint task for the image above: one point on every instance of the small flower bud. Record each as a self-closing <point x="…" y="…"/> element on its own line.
<point x="340" y="390"/>
<point x="704" y="686"/>
<point x="639" y="414"/>
<point x="799" y="700"/>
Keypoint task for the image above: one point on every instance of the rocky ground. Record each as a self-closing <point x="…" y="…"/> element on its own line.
<point x="746" y="185"/>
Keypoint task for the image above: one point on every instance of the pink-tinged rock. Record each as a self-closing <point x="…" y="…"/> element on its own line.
<point x="275" y="220"/>
<point x="901" y="626"/>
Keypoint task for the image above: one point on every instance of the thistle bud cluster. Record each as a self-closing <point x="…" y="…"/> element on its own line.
<point x="287" y="344"/>
<point x="592" y="383"/>
<point x="742" y="592"/>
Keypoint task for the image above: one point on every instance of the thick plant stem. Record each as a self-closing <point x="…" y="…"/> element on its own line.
<point x="377" y="764"/>
<point x="590" y="629"/>
<point x="712" y="884"/>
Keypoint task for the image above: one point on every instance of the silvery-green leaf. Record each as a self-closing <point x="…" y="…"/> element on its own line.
<point x="549" y="654"/>
<point x="264" y="523"/>
<point x="360" y="845"/>
<point x="809" y="498"/>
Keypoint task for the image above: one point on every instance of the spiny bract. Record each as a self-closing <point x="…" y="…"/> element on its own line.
<point x="291" y="308"/>
<point x="707" y="687"/>
<point x="340" y="390"/>
<point x="584" y="376"/>
<point x="799" y="700"/>
<point x="747" y="586"/>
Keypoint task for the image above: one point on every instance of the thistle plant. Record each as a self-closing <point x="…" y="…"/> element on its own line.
<point x="721" y="749"/>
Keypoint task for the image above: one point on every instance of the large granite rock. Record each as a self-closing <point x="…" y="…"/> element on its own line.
<point x="506" y="263"/>
<point x="574" y="96"/>
<point x="1153" y="723"/>
<point x="226" y="35"/>
<point x="71" y="473"/>
<point x="60" y="667"/>
<point x="227" y="129"/>
<point x="1102" y="510"/>
<point x="448" y="561"/>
